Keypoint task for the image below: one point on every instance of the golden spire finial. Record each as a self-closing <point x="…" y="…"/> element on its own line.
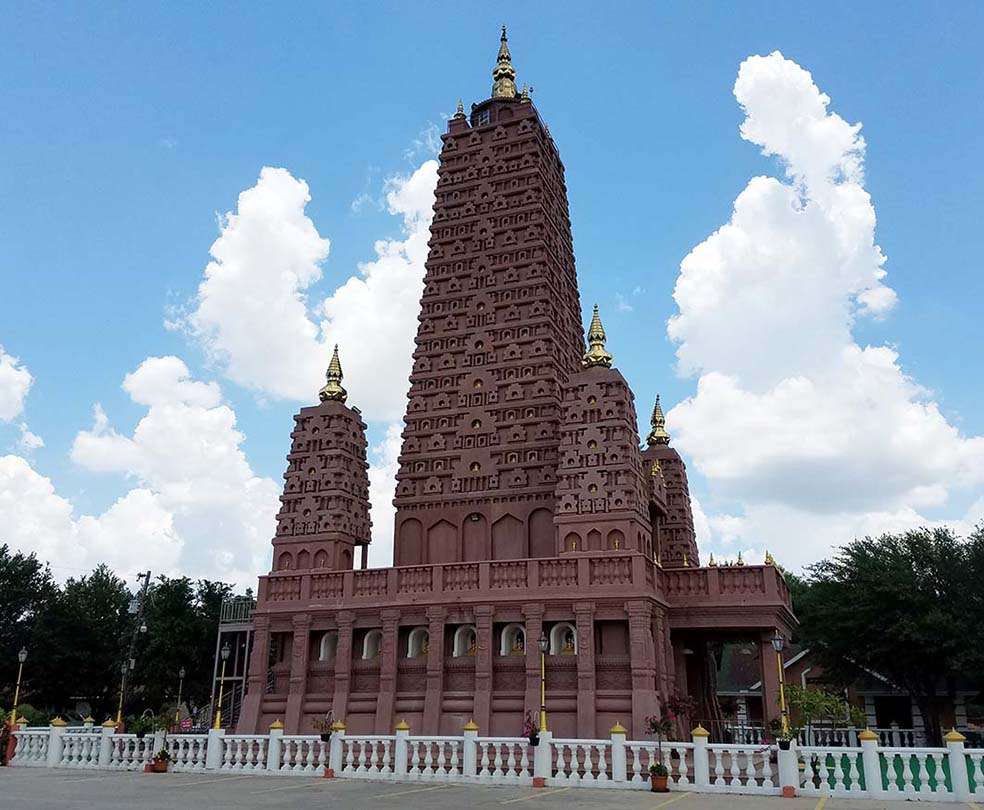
<point x="739" y="561"/>
<point x="686" y="560"/>
<point x="769" y="559"/>
<point x="596" y="354"/>
<point x="524" y="97"/>
<point x="333" y="386"/>
<point x="503" y="74"/>
<point x="460" y="112"/>
<point x="658" y="434"/>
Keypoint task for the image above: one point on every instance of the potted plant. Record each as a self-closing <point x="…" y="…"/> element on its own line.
<point x="325" y="727"/>
<point x="139" y="726"/>
<point x="659" y="727"/>
<point x="159" y="763"/>
<point x="530" y="730"/>
<point x="658" y="778"/>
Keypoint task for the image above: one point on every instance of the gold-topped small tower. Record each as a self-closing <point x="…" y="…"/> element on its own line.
<point x="596" y="354"/>
<point x="504" y="74"/>
<point x="658" y="434"/>
<point x="333" y="386"/>
<point x="460" y="111"/>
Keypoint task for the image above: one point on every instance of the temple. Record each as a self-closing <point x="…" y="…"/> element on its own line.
<point x="525" y="507"/>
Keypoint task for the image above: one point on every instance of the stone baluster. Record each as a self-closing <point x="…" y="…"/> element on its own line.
<point x="106" y="743"/>
<point x="56" y="732"/>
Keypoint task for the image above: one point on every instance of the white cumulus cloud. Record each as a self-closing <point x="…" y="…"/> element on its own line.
<point x="253" y="315"/>
<point x="15" y="382"/>
<point x="818" y="438"/>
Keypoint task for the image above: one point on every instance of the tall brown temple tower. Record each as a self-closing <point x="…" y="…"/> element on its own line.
<point x="525" y="508"/>
<point x="499" y="338"/>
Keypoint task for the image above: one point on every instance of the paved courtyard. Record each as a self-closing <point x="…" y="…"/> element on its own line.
<point x="42" y="789"/>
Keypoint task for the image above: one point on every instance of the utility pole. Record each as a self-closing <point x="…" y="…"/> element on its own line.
<point x="137" y="605"/>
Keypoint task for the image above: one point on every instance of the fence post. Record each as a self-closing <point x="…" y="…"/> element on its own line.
<point x="88" y="722"/>
<point x="543" y="759"/>
<point x="469" y="753"/>
<point x="55" y="743"/>
<point x="213" y="751"/>
<point x="702" y="768"/>
<point x="789" y="771"/>
<point x="400" y="750"/>
<point x="871" y="763"/>
<point x="335" y="750"/>
<point x="158" y="742"/>
<point x="106" y="743"/>
<point x="618" y="733"/>
<point x="274" y="746"/>
<point x="958" y="766"/>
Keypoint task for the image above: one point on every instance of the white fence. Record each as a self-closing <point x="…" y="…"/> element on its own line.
<point x="867" y="769"/>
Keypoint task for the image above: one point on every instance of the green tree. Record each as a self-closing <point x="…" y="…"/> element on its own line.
<point x="25" y="586"/>
<point x="909" y="607"/>
<point x="79" y="638"/>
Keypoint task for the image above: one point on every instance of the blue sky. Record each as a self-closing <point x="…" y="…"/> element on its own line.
<point x="127" y="130"/>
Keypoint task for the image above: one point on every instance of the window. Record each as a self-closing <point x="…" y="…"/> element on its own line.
<point x="328" y="647"/>
<point x="513" y="640"/>
<point x="481" y="118"/>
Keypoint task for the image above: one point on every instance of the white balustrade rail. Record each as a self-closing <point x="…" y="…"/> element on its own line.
<point x="187" y="751"/>
<point x="868" y="770"/>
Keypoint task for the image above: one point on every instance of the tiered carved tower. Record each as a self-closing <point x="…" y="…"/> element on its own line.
<point x="525" y="507"/>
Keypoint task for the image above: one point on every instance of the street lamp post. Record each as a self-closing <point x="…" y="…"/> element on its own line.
<point x="544" y="643"/>
<point x="778" y="643"/>
<point x="119" y="711"/>
<point x="21" y="658"/>
<point x="177" y="709"/>
<point x="218" y="707"/>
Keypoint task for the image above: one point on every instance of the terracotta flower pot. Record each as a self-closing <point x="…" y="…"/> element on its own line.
<point x="156" y="766"/>
<point x="658" y="783"/>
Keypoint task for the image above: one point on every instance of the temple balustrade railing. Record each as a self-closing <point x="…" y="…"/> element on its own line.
<point x="609" y="574"/>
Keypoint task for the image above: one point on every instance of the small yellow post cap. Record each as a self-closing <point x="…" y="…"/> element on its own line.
<point x="109" y="722"/>
<point x="276" y="725"/>
<point x="338" y="725"/>
<point x="58" y="722"/>
<point x="471" y="725"/>
<point x="955" y="736"/>
<point x="867" y="735"/>
<point x="700" y="731"/>
<point x="618" y="728"/>
<point x="402" y="726"/>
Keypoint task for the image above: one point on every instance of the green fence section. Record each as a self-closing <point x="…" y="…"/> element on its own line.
<point x="831" y="761"/>
<point x="927" y="775"/>
<point x="975" y="772"/>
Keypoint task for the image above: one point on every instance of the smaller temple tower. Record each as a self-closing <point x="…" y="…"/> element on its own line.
<point x="675" y="539"/>
<point x="602" y="493"/>
<point x="324" y="513"/>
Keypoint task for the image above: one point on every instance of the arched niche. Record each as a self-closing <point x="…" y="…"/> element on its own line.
<point x="475" y="532"/>
<point x="594" y="540"/>
<point x="442" y="543"/>
<point x="345" y="561"/>
<point x="465" y="641"/>
<point x="303" y="560"/>
<point x="285" y="561"/>
<point x="542" y="533"/>
<point x="572" y="542"/>
<point x="513" y="640"/>
<point x="616" y="540"/>
<point x="563" y="639"/>
<point x="321" y="559"/>
<point x="418" y="642"/>
<point x="328" y="647"/>
<point x="409" y="549"/>
<point x="371" y="644"/>
<point x="508" y="535"/>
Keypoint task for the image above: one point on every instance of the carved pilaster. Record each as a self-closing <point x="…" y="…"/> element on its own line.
<point x="344" y="619"/>
<point x="300" y="652"/>
<point x="387" y="671"/>
<point x="533" y="622"/>
<point x="643" y="662"/>
<point x="584" y="625"/>
<point x="483" y="666"/>
<point x="435" y="669"/>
